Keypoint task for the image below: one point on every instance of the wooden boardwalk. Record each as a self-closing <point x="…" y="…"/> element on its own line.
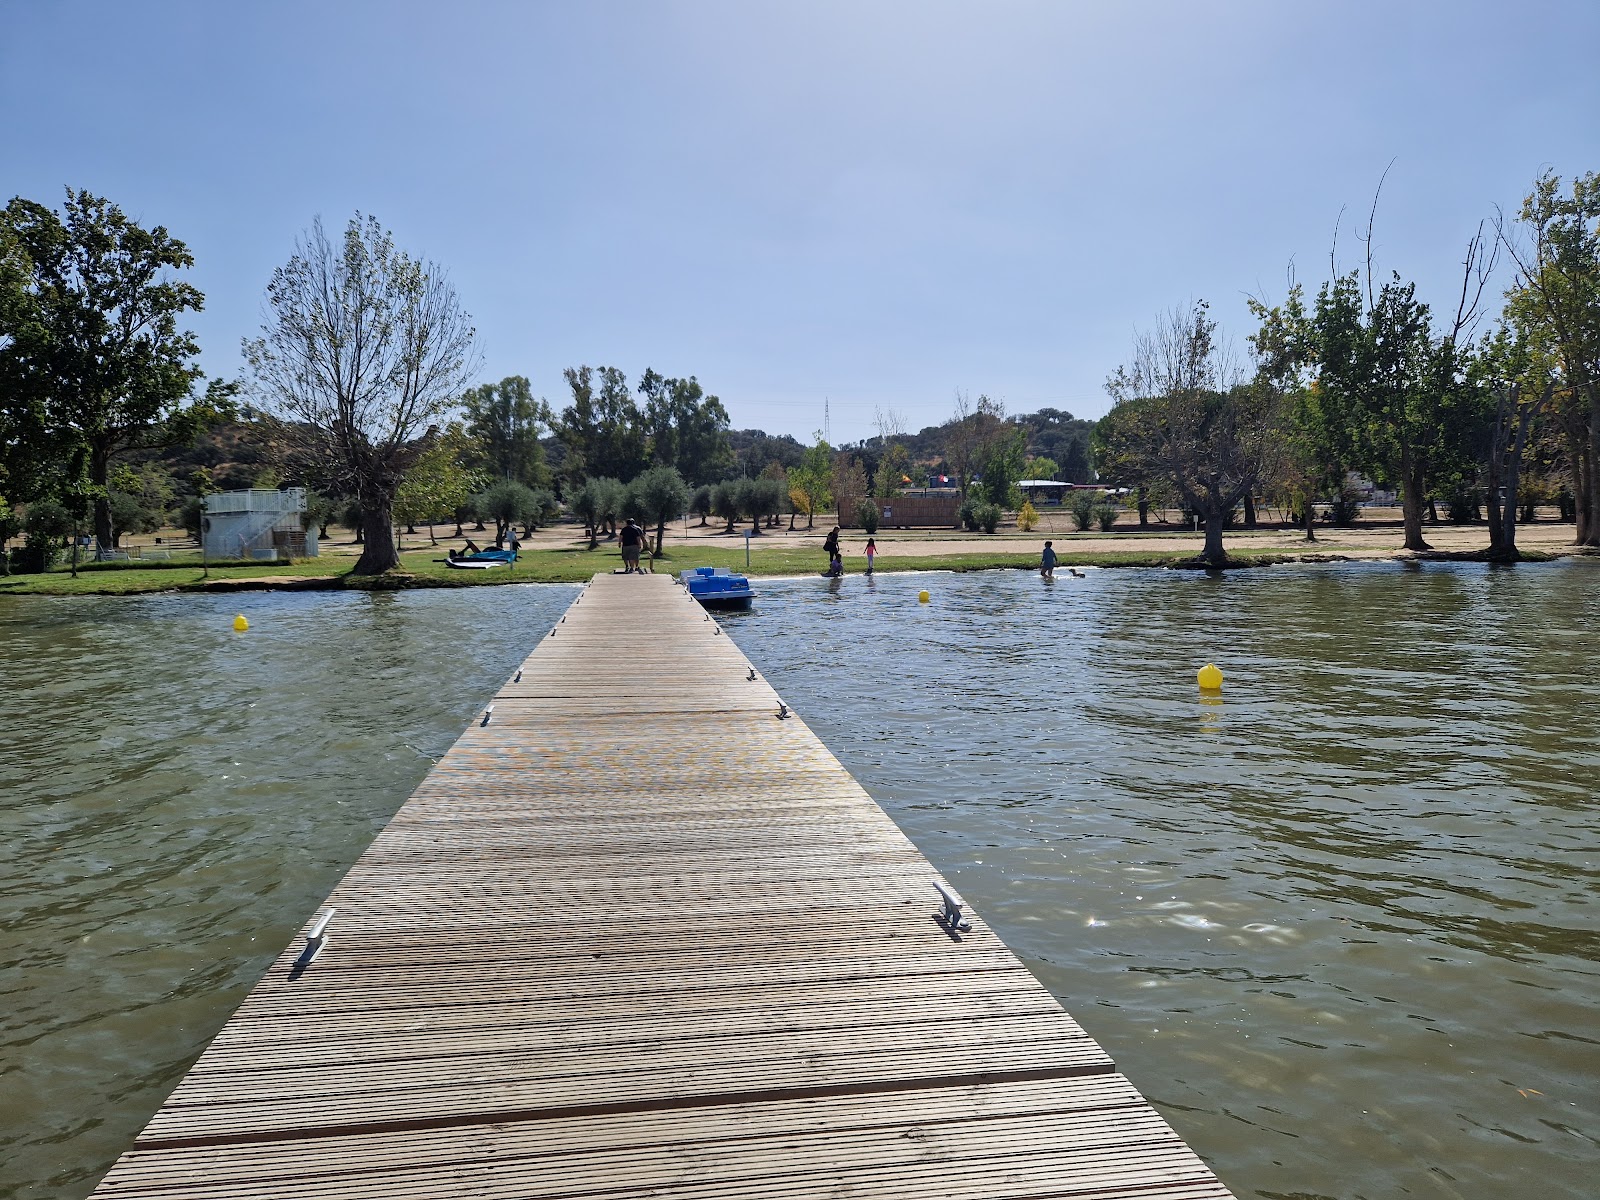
<point x="639" y="936"/>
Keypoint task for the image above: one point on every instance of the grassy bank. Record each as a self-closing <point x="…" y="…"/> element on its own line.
<point x="427" y="568"/>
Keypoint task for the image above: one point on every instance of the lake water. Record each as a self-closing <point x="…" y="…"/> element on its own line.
<point x="1339" y="925"/>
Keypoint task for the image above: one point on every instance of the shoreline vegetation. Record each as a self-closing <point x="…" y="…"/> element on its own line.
<point x="561" y="555"/>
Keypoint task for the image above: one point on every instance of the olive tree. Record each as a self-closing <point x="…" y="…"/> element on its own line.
<point x="363" y="348"/>
<point x="662" y="496"/>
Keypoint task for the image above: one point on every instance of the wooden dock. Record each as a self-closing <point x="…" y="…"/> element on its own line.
<point x="640" y="936"/>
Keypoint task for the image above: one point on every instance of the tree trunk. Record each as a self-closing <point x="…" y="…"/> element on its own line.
<point x="100" y="476"/>
<point x="378" y="553"/>
<point x="1214" y="554"/>
<point x="1309" y="507"/>
<point x="1249" y="511"/>
<point x="1411" y="505"/>
<point x="1589" y="535"/>
<point x="661" y="531"/>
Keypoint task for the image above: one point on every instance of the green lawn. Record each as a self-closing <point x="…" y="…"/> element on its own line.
<point x="426" y="568"/>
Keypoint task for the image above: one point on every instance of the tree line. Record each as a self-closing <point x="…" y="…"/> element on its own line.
<point x="1487" y="411"/>
<point x="358" y="386"/>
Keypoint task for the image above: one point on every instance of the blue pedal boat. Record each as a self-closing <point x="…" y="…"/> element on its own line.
<point x="717" y="587"/>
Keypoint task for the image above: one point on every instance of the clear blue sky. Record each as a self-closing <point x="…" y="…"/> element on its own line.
<point x="877" y="203"/>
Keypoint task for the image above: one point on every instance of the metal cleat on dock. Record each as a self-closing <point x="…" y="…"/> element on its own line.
<point x="951" y="915"/>
<point x="315" y="941"/>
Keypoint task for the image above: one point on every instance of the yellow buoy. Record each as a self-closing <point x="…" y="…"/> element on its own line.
<point x="1209" y="678"/>
<point x="923" y="597"/>
<point x="240" y="624"/>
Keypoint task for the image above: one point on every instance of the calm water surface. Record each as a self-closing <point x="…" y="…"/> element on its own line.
<point x="1338" y="926"/>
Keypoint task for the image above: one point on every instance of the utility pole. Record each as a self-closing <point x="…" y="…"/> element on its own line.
<point x="827" y="423"/>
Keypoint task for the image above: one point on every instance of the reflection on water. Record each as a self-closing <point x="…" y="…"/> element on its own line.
<point x="175" y="799"/>
<point x="1338" y="923"/>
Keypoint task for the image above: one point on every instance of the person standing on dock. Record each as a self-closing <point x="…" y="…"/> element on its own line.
<point x="1047" y="562"/>
<point x="631" y="538"/>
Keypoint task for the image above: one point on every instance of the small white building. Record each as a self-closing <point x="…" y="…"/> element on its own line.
<point x="258" y="523"/>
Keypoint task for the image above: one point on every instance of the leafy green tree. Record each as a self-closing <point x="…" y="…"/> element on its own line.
<point x="1318" y="438"/>
<point x="764" y="498"/>
<point x="602" y="429"/>
<point x="1001" y="466"/>
<point x="728" y="500"/>
<point x="507" y="424"/>
<point x="47" y="524"/>
<point x="1039" y="467"/>
<point x="1555" y="306"/>
<point x="364" y="348"/>
<point x="433" y="487"/>
<point x="662" y="496"/>
<point x="92" y="361"/>
<point x="508" y="503"/>
<point x="140" y="499"/>
<point x="811" y="482"/>
<point x="701" y="505"/>
<point x="612" y="496"/>
<point x="1400" y="389"/>
<point x="586" y="503"/>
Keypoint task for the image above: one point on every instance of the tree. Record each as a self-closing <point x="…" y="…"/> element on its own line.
<point x="1001" y="465"/>
<point x="1555" y="304"/>
<point x="363" y="349"/>
<point x="970" y="435"/>
<point x="611" y="497"/>
<point x="687" y="429"/>
<point x="1402" y="390"/>
<point x="700" y="505"/>
<point x="140" y="499"/>
<point x="507" y="503"/>
<point x="602" y="429"/>
<point x="662" y="497"/>
<point x="1180" y="414"/>
<point x="586" y="503"/>
<point x="1038" y="467"/>
<point x="810" y="483"/>
<point x="92" y="362"/>
<point x="727" y="501"/>
<point x="1318" y="440"/>
<point x="848" y="483"/>
<point x="434" y="486"/>
<point x="507" y="423"/>
<point x="1520" y="383"/>
<point x="763" y="498"/>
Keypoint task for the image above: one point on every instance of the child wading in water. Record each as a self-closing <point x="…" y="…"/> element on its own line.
<point x="872" y="553"/>
<point x="1047" y="562"/>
